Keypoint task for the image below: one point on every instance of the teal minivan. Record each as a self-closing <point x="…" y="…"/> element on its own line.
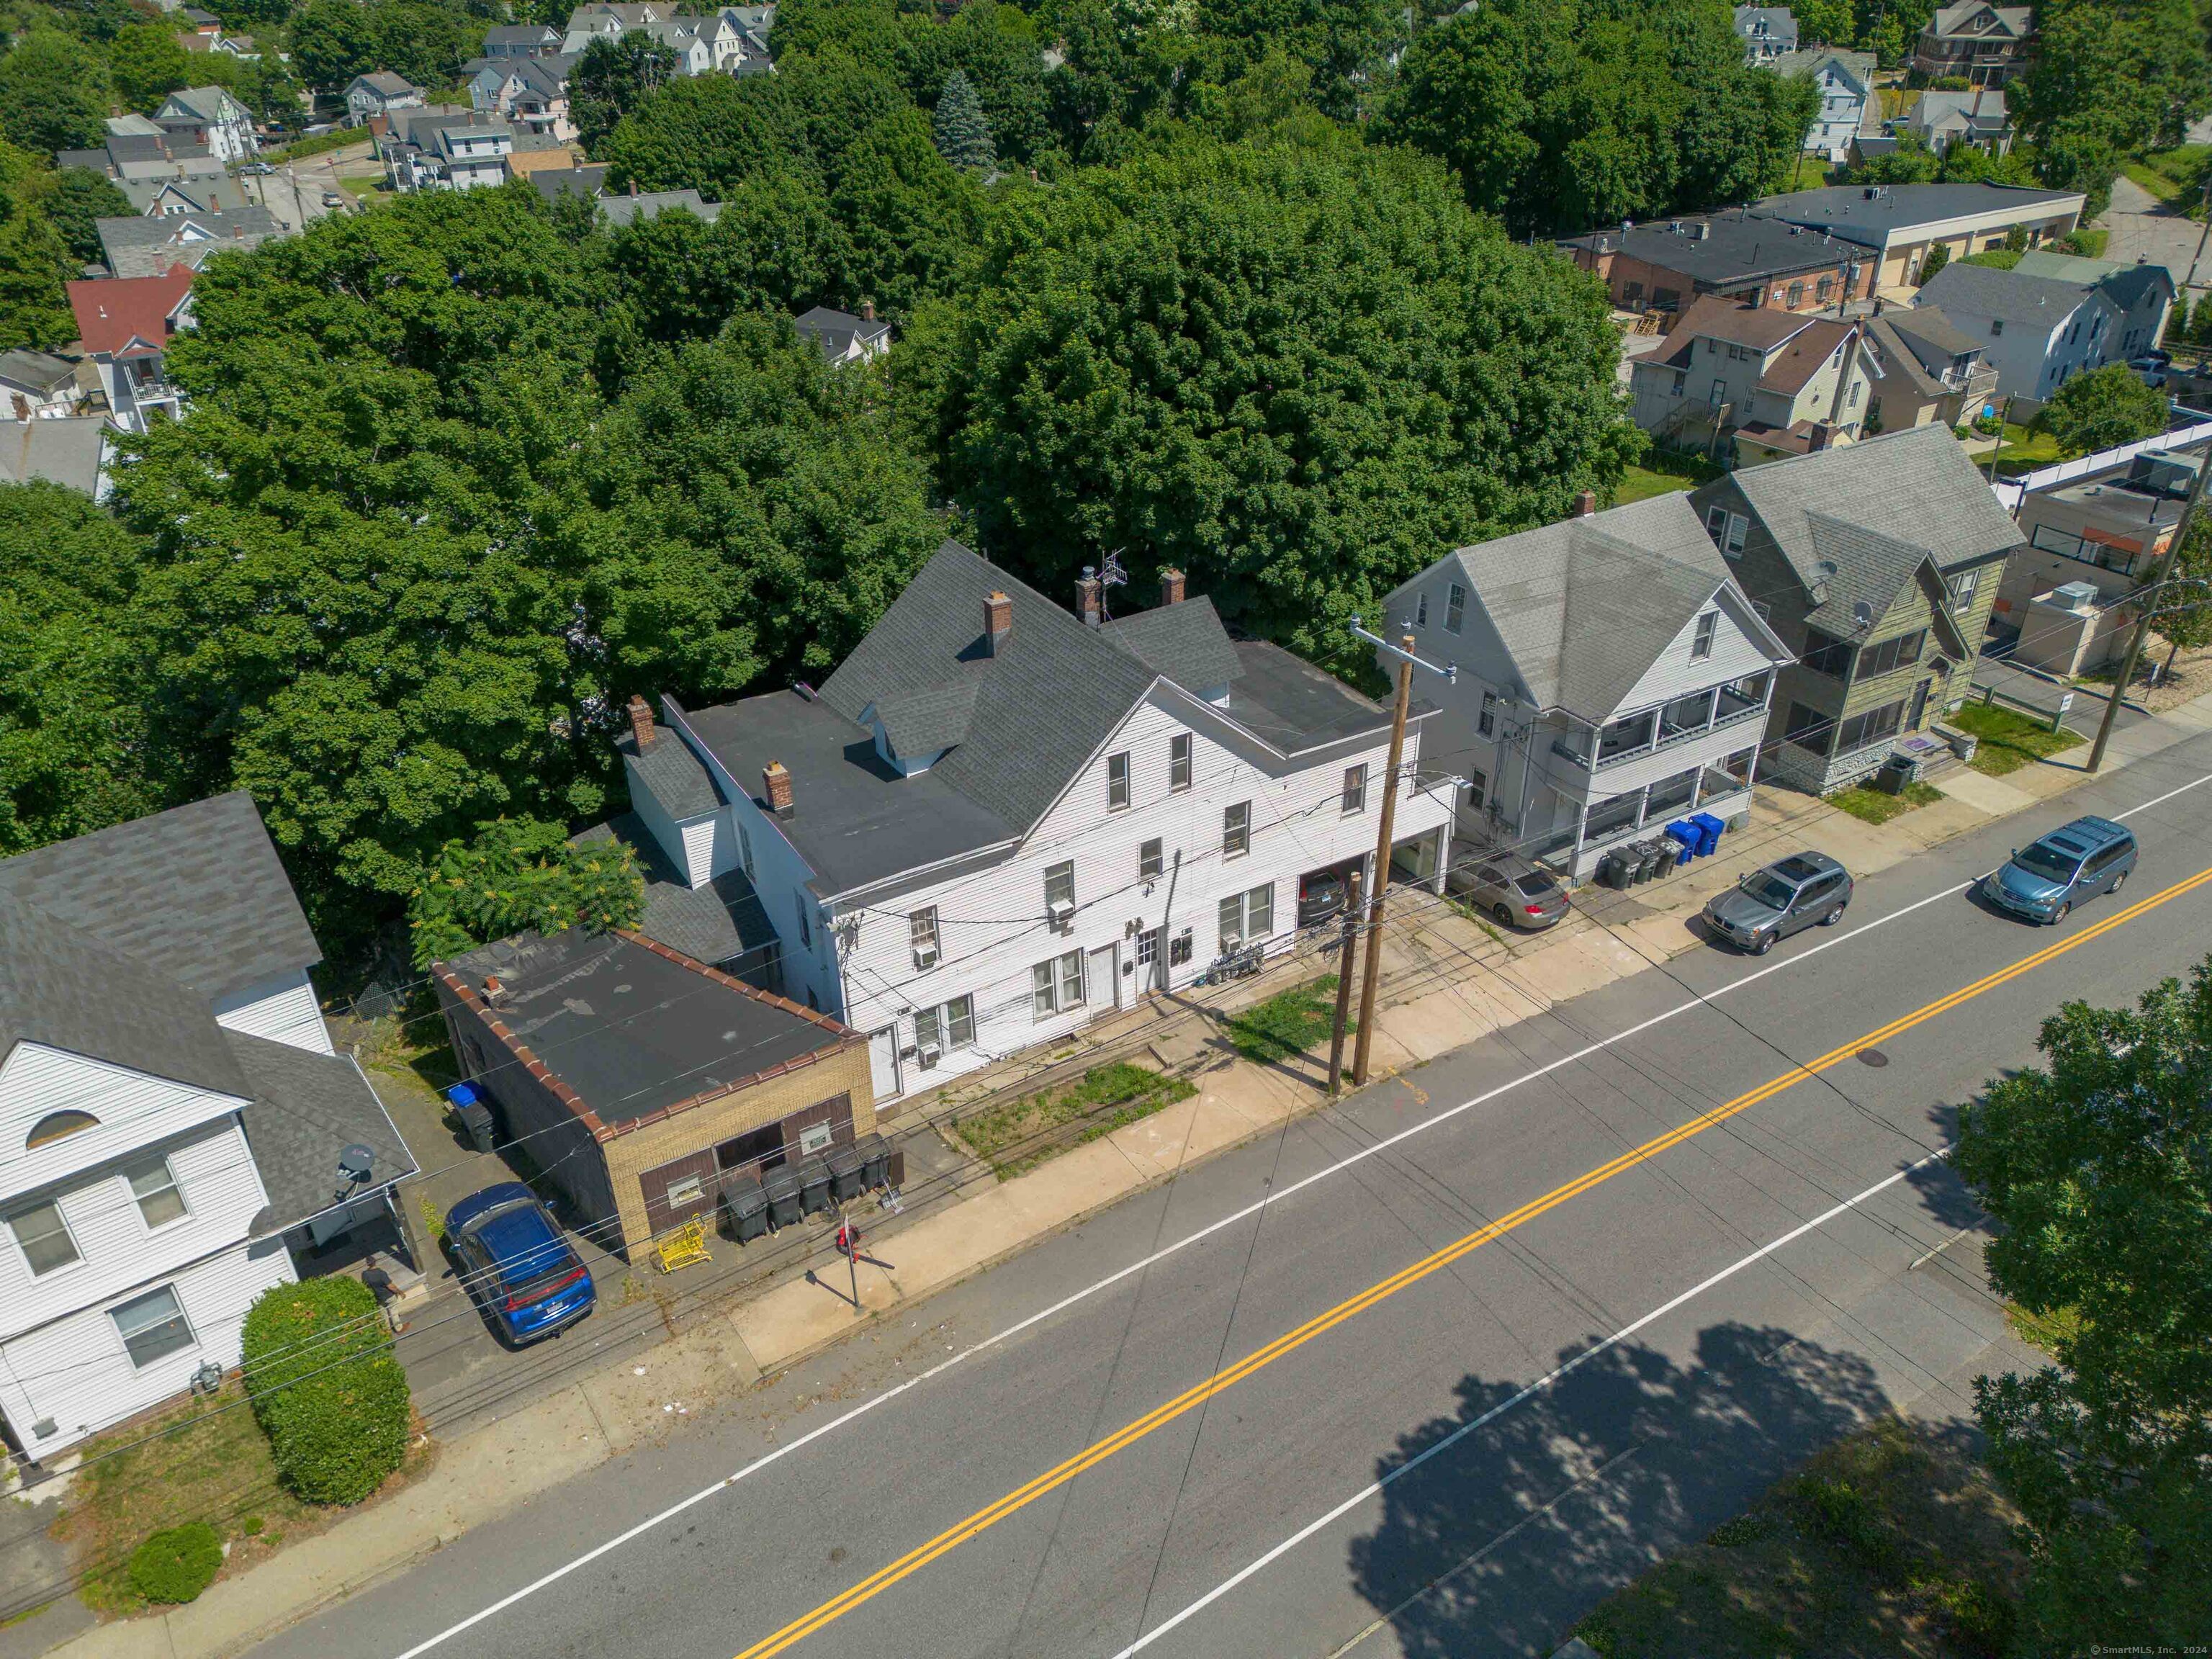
<point x="2044" y="881"/>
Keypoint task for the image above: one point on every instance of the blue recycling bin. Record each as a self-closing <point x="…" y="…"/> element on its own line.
<point x="462" y="1094"/>
<point x="1709" y="838"/>
<point x="1682" y="832"/>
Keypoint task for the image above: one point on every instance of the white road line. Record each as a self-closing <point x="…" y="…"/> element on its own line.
<point x="1499" y="1410"/>
<point x="1184" y="1244"/>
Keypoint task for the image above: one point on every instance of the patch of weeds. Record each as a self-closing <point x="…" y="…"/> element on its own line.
<point x="2045" y="1330"/>
<point x="1975" y="1618"/>
<point x="252" y="1526"/>
<point x="1019" y="1136"/>
<point x="1289" y="1022"/>
<point x="1746" y="1528"/>
<point x="1873" y="805"/>
<point x="434" y="1219"/>
<point x="1841" y="1516"/>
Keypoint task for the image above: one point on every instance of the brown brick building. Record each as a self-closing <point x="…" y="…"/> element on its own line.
<point x="1745" y="256"/>
<point x="643" y="1082"/>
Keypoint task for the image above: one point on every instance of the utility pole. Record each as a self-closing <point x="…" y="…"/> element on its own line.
<point x="1403" y="651"/>
<point x="2142" y="629"/>
<point x="1344" y="961"/>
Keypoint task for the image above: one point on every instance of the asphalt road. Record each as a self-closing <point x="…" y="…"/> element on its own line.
<point x="1477" y="1256"/>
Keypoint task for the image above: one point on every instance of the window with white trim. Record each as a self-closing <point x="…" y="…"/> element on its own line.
<point x="1178" y="762"/>
<point x="1486" y="722"/>
<point x="43" y="1237"/>
<point x="1421" y="611"/>
<point x="154" y="1184"/>
<point x="152" y="1326"/>
<point x="1056" y="986"/>
<point x="1247" y="917"/>
<point x="1059" y="884"/>
<point x="1152" y="860"/>
<point x="949" y="1025"/>
<point x="1237" y="830"/>
<point x="1701" y="644"/>
<point x="1455" y="608"/>
<point x="1117" y="782"/>
<point x="922" y="931"/>
<point x="1355" y="788"/>
<point x="1962" y="586"/>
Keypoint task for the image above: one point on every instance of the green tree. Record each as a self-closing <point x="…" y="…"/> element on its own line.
<point x="2109" y="78"/>
<point x="1466" y="94"/>
<point x="72" y="730"/>
<point x="909" y="222"/>
<point x="145" y="65"/>
<point x="1936" y="259"/>
<point x="2098" y="1168"/>
<point x="50" y="93"/>
<point x="77" y="199"/>
<point x="708" y="132"/>
<point x="517" y="875"/>
<point x="612" y="78"/>
<point x="961" y="133"/>
<point x="2102" y="409"/>
<point x="332" y="41"/>
<point x="1293" y="375"/>
<point x="34" y="263"/>
<point x="1911" y="163"/>
<point x="2183" y="613"/>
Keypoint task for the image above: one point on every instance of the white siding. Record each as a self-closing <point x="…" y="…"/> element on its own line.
<point x="133" y="1110"/>
<point x="1674" y="672"/>
<point x="700" y="848"/>
<point x="222" y="1189"/>
<point x="283" y="1009"/>
<point x="75" y="1372"/>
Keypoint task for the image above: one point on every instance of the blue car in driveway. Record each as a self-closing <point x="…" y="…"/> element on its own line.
<point x="2045" y="880"/>
<point x="512" y="1257"/>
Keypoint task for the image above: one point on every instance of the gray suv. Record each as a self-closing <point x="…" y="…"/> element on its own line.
<point x="1788" y="895"/>
<point x="2044" y="881"/>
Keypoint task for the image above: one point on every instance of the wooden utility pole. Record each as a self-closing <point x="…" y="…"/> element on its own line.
<point x="1345" y="954"/>
<point x="1373" y="976"/>
<point x="2146" y="593"/>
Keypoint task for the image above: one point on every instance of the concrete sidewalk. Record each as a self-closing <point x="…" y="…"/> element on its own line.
<point x="1453" y="980"/>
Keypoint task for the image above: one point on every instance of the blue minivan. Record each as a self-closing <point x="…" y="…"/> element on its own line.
<point x="2044" y="881"/>
<point x="510" y="1254"/>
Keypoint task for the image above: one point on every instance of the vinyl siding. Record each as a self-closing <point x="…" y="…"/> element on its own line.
<point x="76" y="1372"/>
<point x="133" y="1109"/>
<point x="284" y="1010"/>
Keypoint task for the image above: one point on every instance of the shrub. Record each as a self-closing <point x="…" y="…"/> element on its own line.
<point x="177" y="1565"/>
<point x="326" y="1391"/>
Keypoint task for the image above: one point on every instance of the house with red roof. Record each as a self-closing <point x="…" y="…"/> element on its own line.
<point x="125" y="324"/>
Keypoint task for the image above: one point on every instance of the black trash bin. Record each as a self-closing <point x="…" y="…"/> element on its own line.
<point x="875" y="1160"/>
<point x="814" y="1183"/>
<point x="1613" y="869"/>
<point x="744" y="1209"/>
<point x="1669" y="854"/>
<point x="785" y="1202"/>
<point x="847" y="1172"/>
<point x="475" y="1113"/>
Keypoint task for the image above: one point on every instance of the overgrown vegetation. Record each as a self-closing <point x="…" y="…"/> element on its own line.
<point x="175" y="1565"/>
<point x="326" y="1390"/>
<point x="1019" y="1136"/>
<point x="1874" y="806"/>
<point x="2009" y="739"/>
<point x="1288" y="1023"/>
<point x="518" y="875"/>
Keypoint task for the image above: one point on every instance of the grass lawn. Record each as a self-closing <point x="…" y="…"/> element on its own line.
<point x="1289" y="1022"/>
<point x="2024" y="450"/>
<point x="2175" y="176"/>
<point x="1672" y="473"/>
<point x="1892" y="1542"/>
<point x="1879" y="805"/>
<point x="1017" y="1137"/>
<point x="2009" y="739"/>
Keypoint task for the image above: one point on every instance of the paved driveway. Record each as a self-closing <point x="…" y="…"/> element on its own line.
<point x="2141" y="225"/>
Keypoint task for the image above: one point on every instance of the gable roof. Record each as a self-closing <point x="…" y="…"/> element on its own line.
<point x="1802" y="358"/>
<point x="1871" y="569"/>
<point x="1916" y="487"/>
<point x="2014" y="20"/>
<point x="837" y="330"/>
<point x="721" y="922"/>
<point x="115" y="312"/>
<point x="1927" y="326"/>
<point x="1857" y="66"/>
<point x="205" y="104"/>
<point x="1983" y="291"/>
<point x="629" y="210"/>
<point x="196" y="894"/>
<point x="147" y="245"/>
<point x="303" y="1109"/>
<point x="1183" y="643"/>
<point x="384" y="83"/>
<point x="1983" y="108"/>
<point x="1585" y="606"/>
<point x="1720" y="317"/>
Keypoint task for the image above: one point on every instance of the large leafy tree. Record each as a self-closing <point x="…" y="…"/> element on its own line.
<point x="2102" y="409"/>
<point x="145" y="65"/>
<point x="72" y="748"/>
<point x="613" y="77"/>
<point x="50" y="93"/>
<point x="518" y="873"/>
<point x="74" y="202"/>
<point x="1293" y="373"/>
<point x="334" y="40"/>
<point x="35" y="259"/>
<point x="2109" y="78"/>
<point x="2099" y="1169"/>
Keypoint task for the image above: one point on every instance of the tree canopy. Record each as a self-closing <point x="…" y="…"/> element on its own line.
<point x="2099" y="1169"/>
<point x="2109" y="78"/>
<point x="612" y="77"/>
<point x="518" y="874"/>
<point x="2102" y="409"/>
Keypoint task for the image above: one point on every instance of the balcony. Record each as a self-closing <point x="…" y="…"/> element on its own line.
<point x="1740" y="712"/>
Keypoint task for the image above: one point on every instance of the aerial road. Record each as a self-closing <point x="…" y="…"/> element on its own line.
<point x="1427" y="1373"/>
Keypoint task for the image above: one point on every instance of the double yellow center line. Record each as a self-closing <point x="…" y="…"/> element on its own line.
<point x="984" y="1519"/>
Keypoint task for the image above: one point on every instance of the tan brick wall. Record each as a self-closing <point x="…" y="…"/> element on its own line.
<point x="701" y="1127"/>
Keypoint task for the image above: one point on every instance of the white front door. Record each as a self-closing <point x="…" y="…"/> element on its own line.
<point x="884" y="1060"/>
<point x="1102" y="976"/>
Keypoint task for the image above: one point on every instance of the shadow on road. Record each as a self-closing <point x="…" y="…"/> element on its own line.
<point x="1502" y="1542"/>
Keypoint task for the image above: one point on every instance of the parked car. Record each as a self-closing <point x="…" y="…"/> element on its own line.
<point x="1786" y="898"/>
<point x="511" y="1256"/>
<point x="1320" y="898"/>
<point x="331" y="199"/>
<point x="1519" y="893"/>
<point x="259" y="169"/>
<point x="2152" y="370"/>
<point x="2045" y="879"/>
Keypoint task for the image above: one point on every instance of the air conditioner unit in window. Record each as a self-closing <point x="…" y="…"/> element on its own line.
<point x="926" y="1055"/>
<point x="926" y="957"/>
<point x="1062" y="912"/>
<point x="1231" y="942"/>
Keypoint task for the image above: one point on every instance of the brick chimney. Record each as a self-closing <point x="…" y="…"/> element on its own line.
<point x="997" y="621"/>
<point x="493" y="989"/>
<point x="1586" y="504"/>
<point x="1086" y="596"/>
<point x="775" y="785"/>
<point x="633" y="186"/>
<point x="1171" y="586"/>
<point x="641" y="723"/>
<point x="867" y="311"/>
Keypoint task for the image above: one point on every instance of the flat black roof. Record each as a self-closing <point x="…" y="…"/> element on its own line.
<point x="1736" y="248"/>
<point x="1293" y="705"/>
<point x="632" y="1030"/>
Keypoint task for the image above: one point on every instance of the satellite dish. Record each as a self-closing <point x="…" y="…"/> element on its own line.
<point x="1862" y="615"/>
<point x="355" y="1162"/>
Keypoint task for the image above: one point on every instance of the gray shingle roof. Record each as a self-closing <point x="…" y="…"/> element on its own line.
<point x="1870" y="568"/>
<point x="40" y="371"/>
<point x="1289" y="704"/>
<point x="139" y="246"/>
<point x="721" y="923"/>
<point x="1844" y="209"/>
<point x="646" y="205"/>
<point x="553" y="183"/>
<point x="1185" y="643"/>
<point x="1916" y="487"/>
<point x="921" y="723"/>
<point x="1982" y="291"/>
<point x="1927" y="324"/>
<point x="678" y="779"/>
<point x="1585" y="606"/>
<point x="194" y="893"/>
<point x="835" y="331"/>
<point x="1736" y="247"/>
<point x="306" y="1109"/>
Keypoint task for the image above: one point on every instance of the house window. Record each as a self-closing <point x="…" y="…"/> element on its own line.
<point x="1822" y="291"/>
<point x="1455" y="608"/>
<point x="154" y="1184"/>
<point x="1151" y="861"/>
<point x="960" y="1021"/>
<point x="1486" y="722"/>
<point x="1117" y="782"/>
<point x="921" y="930"/>
<point x="55" y="1125"/>
<point x="951" y="1025"/>
<point x="1997" y="325"/>
<point x="1060" y="886"/>
<point x="1237" y="830"/>
<point x="1701" y="644"/>
<point x="43" y="1237"/>
<point x="1826" y="655"/>
<point x="1892" y="654"/>
<point x="1355" y="788"/>
<point x="1962" y="587"/>
<point x="1056" y="986"/>
<point x="806" y="927"/>
<point x="1179" y="950"/>
<point x="1178" y="763"/>
<point x="152" y="1326"/>
<point x="1476" y="783"/>
<point x="1421" y="611"/>
<point x="1247" y="917"/>
<point x="1796" y="295"/>
<point x="1875" y="726"/>
<point x="689" y="1190"/>
<point x="745" y="852"/>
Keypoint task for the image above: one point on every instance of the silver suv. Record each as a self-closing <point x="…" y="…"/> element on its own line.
<point x="1790" y="895"/>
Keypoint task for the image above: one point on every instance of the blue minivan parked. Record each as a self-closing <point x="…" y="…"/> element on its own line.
<point x="2044" y="881"/>
<point x="510" y="1254"/>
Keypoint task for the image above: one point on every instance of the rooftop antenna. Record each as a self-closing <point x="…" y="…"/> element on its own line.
<point x="1110" y="575"/>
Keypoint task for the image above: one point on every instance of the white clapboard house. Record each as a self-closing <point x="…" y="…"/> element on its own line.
<point x="172" y="1115"/>
<point x="1612" y="678"/>
<point x="999" y="819"/>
